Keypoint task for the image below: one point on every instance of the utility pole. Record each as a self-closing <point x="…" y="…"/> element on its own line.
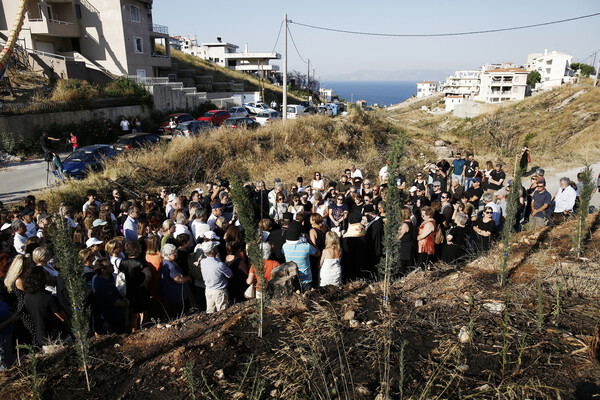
<point x="285" y="32"/>
<point x="308" y="79"/>
<point x="597" y="71"/>
<point x="313" y="86"/>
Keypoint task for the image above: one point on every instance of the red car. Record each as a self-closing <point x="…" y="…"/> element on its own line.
<point x="215" y="117"/>
<point x="178" y="118"/>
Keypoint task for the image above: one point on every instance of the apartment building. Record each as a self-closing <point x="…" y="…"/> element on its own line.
<point x="226" y="55"/>
<point x="115" y="36"/>
<point x="554" y="68"/>
<point x="464" y="83"/>
<point x="502" y="84"/>
<point x="426" y="88"/>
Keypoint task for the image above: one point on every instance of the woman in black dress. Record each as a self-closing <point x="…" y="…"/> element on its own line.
<point x="455" y="246"/>
<point x="485" y="227"/>
<point x="137" y="279"/>
<point x="316" y="237"/>
<point x="407" y="241"/>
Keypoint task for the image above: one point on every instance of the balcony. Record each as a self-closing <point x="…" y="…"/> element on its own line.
<point x="160" y="29"/>
<point x="53" y="27"/>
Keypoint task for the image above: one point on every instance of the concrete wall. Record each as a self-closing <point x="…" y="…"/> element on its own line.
<point x="471" y="109"/>
<point x="23" y="126"/>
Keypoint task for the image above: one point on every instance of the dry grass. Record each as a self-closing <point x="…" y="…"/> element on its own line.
<point x="298" y="148"/>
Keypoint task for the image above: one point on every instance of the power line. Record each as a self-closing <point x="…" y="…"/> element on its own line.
<point x="588" y="57"/>
<point x="291" y="37"/>
<point x="444" y="34"/>
<point x="277" y="41"/>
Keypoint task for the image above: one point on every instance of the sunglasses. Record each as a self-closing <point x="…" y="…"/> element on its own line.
<point x="488" y="212"/>
<point x="541" y="186"/>
<point x="340" y="199"/>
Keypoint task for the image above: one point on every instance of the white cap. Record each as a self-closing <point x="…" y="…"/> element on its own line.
<point x="98" y="222"/>
<point x="412" y="189"/>
<point x="93" y="241"/>
<point x="171" y="197"/>
<point x="5" y="226"/>
<point x="208" y="247"/>
<point x="211" y="235"/>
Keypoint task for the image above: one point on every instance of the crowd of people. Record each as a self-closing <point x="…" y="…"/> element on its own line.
<point x="165" y="254"/>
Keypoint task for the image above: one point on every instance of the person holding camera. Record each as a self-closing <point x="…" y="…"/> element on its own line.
<point x="46" y="144"/>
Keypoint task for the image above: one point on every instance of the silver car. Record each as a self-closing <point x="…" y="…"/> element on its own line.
<point x="266" y="117"/>
<point x="238" y="112"/>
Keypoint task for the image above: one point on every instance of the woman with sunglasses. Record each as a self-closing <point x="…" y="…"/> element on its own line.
<point x="485" y="227"/>
<point x="318" y="184"/>
<point x="338" y="213"/>
<point x="280" y="208"/>
<point x="296" y="206"/>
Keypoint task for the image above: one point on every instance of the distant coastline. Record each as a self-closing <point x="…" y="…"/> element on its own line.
<point x="374" y="92"/>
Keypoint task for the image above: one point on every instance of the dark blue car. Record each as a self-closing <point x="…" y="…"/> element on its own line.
<point x="78" y="164"/>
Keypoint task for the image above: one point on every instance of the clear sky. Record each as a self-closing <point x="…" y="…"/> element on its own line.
<point x="339" y="56"/>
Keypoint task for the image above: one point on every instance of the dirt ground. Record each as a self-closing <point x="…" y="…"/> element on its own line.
<point x="450" y="333"/>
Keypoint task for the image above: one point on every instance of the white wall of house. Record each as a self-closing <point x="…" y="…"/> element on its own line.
<point x="426" y="88"/>
<point x="502" y="84"/>
<point x="464" y="83"/>
<point x="554" y="68"/>
<point x="452" y="101"/>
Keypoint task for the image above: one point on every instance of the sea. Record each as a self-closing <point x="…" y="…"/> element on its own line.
<point x="383" y="93"/>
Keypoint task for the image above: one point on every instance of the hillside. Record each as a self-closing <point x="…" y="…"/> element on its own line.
<point x="561" y="126"/>
<point x="450" y="333"/>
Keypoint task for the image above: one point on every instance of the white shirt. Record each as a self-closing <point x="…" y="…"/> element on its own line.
<point x="179" y="229"/>
<point x="497" y="212"/>
<point x="125" y="125"/>
<point x="86" y="205"/>
<point x="565" y="199"/>
<point x="356" y="173"/>
<point x="212" y="221"/>
<point x="199" y="228"/>
<point x="130" y="228"/>
<point x="19" y="243"/>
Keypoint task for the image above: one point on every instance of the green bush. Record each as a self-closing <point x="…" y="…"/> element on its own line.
<point x="75" y="90"/>
<point x="18" y="147"/>
<point x="125" y="87"/>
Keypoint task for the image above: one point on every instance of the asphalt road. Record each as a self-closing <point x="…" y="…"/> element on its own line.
<point x="17" y="180"/>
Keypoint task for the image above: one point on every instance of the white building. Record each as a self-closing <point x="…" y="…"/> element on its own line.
<point x="554" y="68"/>
<point x="465" y="83"/>
<point x="453" y="100"/>
<point x="502" y="84"/>
<point x="326" y="94"/>
<point x="426" y="88"/>
<point x="226" y="55"/>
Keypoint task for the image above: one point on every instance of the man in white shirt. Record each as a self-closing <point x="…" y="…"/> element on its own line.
<point x="355" y="172"/>
<point x="383" y="174"/>
<point x="130" y="226"/>
<point x="215" y="274"/>
<point x="199" y="225"/>
<point x="564" y="201"/>
<point x="91" y="195"/>
<point x="124" y="125"/>
<point x="20" y="239"/>
<point x="217" y="211"/>
<point x="30" y="225"/>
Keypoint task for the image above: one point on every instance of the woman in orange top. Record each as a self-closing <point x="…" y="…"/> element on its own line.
<point x="153" y="259"/>
<point x="426" y="237"/>
<point x="268" y="267"/>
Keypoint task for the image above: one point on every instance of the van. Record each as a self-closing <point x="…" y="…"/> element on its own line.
<point x="295" y="111"/>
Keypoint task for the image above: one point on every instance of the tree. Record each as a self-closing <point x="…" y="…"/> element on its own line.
<point x="584" y="69"/>
<point x="532" y="78"/>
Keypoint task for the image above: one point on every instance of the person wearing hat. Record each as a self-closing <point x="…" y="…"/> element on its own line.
<point x="169" y="205"/>
<point x="217" y="211"/>
<point x="299" y="252"/>
<point x="215" y="274"/>
<point x="95" y="245"/>
<point x="436" y="193"/>
<point x="475" y="192"/>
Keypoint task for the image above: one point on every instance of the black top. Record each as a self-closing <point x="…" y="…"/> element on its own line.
<point x="407" y="243"/>
<point x="496" y="175"/>
<point x="470" y="168"/>
<point x="137" y="294"/>
<point x="42" y="306"/>
<point x="477" y="192"/>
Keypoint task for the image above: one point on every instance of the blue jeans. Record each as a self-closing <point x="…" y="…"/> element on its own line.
<point x="459" y="177"/>
<point x="468" y="183"/>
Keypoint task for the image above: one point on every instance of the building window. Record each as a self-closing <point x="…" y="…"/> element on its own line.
<point x="137" y="45"/>
<point x="135" y="13"/>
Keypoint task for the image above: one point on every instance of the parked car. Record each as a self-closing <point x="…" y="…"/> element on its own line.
<point x="178" y="118"/>
<point x="241" y="122"/>
<point x="190" y="128"/>
<point x="256" y="108"/>
<point x="296" y="111"/>
<point x="135" y="140"/>
<point x="309" y="107"/>
<point x="215" y="117"/>
<point x="89" y="158"/>
<point x="238" y="111"/>
<point x="266" y="117"/>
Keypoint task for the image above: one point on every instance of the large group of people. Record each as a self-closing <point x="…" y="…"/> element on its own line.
<point x="165" y="254"/>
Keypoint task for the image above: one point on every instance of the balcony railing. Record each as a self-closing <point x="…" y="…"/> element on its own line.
<point x="56" y="21"/>
<point x="159" y="29"/>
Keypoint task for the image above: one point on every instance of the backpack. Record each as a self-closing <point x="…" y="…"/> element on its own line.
<point x="121" y="284"/>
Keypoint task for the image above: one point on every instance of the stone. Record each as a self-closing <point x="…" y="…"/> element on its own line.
<point x="363" y="391"/>
<point x="464" y="336"/>
<point x="274" y="393"/>
<point x="463" y="368"/>
<point x="354" y="323"/>
<point x="284" y="280"/>
<point x="494" y="308"/>
<point x="418" y="303"/>
<point x="439" y="143"/>
<point x="350" y="315"/>
<point x="219" y="374"/>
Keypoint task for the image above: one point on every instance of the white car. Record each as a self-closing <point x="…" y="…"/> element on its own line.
<point x="256" y="108"/>
<point x="266" y="117"/>
<point x="238" y="111"/>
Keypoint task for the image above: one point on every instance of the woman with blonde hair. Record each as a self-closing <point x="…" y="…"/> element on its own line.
<point x="168" y="229"/>
<point x="331" y="267"/>
<point x="24" y="329"/>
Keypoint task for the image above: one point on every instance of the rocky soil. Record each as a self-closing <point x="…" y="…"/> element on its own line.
<point x="450" y="333"/>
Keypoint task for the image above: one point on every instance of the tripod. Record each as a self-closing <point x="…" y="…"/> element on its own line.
<point x="48" y="172"/>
